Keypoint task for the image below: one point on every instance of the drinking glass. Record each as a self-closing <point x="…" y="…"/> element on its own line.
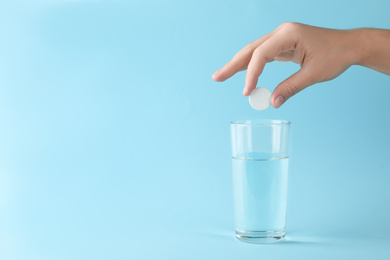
<point x="260" y="170"/>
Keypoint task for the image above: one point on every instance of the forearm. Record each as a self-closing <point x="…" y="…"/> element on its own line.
<point x="373" y="49"/>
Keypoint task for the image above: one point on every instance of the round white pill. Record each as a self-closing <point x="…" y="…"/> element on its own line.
<point x="260" y="98"/>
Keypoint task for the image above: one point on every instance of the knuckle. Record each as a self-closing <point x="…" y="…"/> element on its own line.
<point x="291" y="27"/>
<point x="257" y="52"/>
<point x="284" y="24"/>
<point x="237" y="64"/>
<point x="236" y="56"/>
<point x="259" y="55"/>
<point x="291" y="88"/>
<point x="250" y="45"/>
<point x="247" y="49"/>
<point x="290" y="23"/>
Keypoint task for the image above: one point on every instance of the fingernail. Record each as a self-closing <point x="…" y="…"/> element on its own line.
<point x="216" y="73"/>
<point x="279" y="101"/>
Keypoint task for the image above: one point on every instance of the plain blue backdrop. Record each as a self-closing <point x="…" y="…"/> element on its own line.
<point x="115" y="141"/>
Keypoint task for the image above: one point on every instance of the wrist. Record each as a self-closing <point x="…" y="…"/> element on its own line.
<point x="359" y="42"/>
<point x="373" y="49"/>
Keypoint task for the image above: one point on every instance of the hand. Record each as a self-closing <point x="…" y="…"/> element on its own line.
<point x="322" y="53"/>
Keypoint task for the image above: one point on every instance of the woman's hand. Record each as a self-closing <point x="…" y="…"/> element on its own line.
<point x="322" y="53"/>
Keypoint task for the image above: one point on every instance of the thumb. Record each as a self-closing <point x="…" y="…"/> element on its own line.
<point x="291" y="86"/>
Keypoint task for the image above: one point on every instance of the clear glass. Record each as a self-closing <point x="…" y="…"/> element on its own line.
<point x="260" y="171"/>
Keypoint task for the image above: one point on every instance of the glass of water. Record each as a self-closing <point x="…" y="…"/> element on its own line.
<point x="260" y="170"/>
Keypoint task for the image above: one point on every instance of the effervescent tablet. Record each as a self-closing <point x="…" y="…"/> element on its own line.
<point x="260" y="98"/>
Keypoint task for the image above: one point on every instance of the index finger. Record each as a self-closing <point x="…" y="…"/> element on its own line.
<point x="240" y="61"/>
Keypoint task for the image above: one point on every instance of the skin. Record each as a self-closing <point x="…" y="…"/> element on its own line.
<point x="322" y="53"/>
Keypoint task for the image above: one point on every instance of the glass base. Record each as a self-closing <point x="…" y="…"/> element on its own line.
<point x="260" y="237"/>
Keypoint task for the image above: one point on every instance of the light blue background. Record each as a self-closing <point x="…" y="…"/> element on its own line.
<point x="115" y="142"/>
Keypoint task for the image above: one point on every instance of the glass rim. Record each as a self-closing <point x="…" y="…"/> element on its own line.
<point x="260" y="122"/>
